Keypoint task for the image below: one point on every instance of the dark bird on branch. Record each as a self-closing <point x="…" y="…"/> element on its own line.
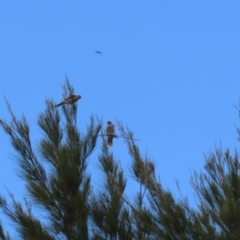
<point x="110" y="131"/>
<point x="70" y="100"/>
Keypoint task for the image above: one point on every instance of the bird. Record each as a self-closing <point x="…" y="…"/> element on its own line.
<point x="69" y="100"/>
<point x="98" y="52"/>
<point x="110" y="131"/>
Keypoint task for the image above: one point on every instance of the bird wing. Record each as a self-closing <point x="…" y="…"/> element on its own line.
<point x="69" y="98"/>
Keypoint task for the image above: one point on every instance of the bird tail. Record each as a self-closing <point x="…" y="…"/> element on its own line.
<point x="57" y="105"/>
<point x="110" y="142"/>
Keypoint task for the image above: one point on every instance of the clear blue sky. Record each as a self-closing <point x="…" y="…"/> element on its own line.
<point x="170" y="70"/>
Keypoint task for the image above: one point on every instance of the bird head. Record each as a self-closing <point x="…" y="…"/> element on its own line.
<point x="109" y="122"/>
<point x="78" y="97"/>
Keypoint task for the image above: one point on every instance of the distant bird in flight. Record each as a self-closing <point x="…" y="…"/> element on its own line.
<point x="98" y="52"/>
<point x="70" y="100"/>
<point x="110" y="131"/>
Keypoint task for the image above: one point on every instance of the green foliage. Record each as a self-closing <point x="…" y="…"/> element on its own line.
<point x="110" y="217"/>
<point x="57" y="182"/>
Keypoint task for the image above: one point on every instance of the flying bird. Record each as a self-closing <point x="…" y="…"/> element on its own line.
<point x="70" y="100"/>
<point x="98" y="52"/>
<point x="110" y="131"/>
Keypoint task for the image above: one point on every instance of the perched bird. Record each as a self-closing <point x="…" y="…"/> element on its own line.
<point x="98" y="52"/>
<point x="110" y="130"/>
<point x="70" y="100"/>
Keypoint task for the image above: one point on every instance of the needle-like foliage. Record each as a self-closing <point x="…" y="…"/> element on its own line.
<point x="58" y="184"/>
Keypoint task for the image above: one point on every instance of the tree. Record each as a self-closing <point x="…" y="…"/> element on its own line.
<point x="109" y="214"/>
<point x="219" y="195"/>
<point x="62" y="188"/>
<point x="57" y="181"/>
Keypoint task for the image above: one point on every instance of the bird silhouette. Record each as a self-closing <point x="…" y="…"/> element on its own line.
<point x="110" y="131"/>
<point x="69" y="100"/>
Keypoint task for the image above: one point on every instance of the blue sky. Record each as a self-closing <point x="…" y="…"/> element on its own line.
<point x="169" y="70"/>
